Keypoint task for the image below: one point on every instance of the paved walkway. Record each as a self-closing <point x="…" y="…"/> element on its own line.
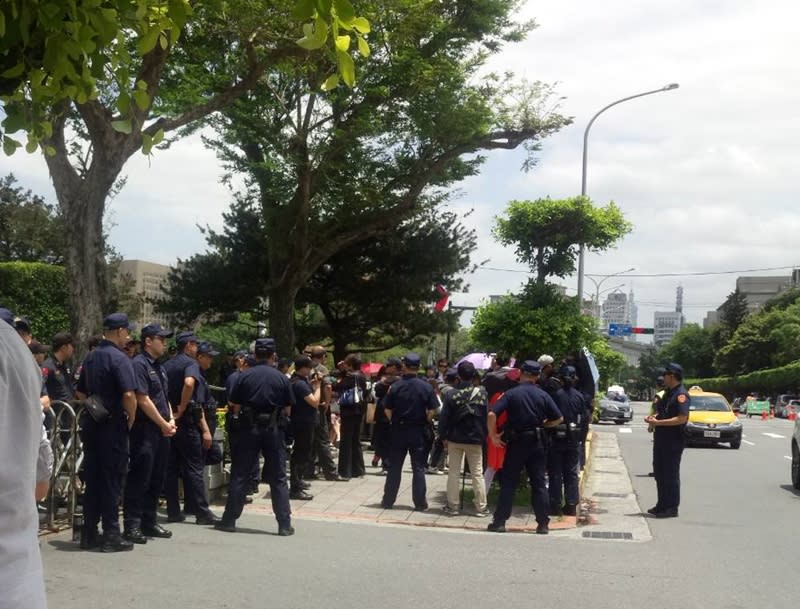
<point x="358" y="500"/>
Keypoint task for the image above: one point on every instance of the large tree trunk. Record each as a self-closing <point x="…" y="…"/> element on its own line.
<point x="281" y="318"/>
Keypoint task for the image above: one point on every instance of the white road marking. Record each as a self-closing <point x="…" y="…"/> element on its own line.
<point x="787" y="457"/>
<point x="749" y="443"/>
<point x="625" y="430"/>
<point x="772" y="435"/>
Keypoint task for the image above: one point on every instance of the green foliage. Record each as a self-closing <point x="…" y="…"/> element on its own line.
<point x="540" y="320"/>
<point x="547" y="233"/>
<point x="784" y="379"/>
<point x="692" y="348"/>
<point x="38" y="292"/>
<point x="31" y="230"/>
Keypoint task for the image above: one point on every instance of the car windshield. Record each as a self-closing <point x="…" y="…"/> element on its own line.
<point x="616" y="397"/>
<point x="708" y="403"/>
<point x="790" y="398"/>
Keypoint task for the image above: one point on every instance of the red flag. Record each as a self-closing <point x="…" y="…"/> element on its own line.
<point x="442" y="302"/>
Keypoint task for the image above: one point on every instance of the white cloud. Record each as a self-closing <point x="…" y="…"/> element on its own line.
<point x="705" y="173"/>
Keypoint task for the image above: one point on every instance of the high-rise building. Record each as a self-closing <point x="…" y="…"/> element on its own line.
<point x="149" y="280"/>
<point x="759" y="290"/>
<point x="619" y="308"/>
<point x="666" y="324"/>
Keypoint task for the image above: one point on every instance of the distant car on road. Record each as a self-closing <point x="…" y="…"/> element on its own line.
<point x="738" y="404"/>
<point x="711" y="420"/>
<point x="615" y="407"/>
<point x="782" y="404"/>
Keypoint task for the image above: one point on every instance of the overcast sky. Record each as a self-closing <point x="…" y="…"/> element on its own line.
<point x="704" y="172"/>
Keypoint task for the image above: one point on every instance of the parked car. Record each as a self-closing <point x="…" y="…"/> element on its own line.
<point x="711" y="420"/>
<point x="796" y="455"/>
<point x="738" y="405"/>
<point x="782" y="404"/>
<point x="615" y="407"/>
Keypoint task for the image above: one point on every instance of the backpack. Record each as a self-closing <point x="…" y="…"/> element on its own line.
<point x="351" y="397"/>
<point x="468" y="401"/>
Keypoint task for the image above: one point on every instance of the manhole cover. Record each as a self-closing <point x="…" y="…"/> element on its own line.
<point x="607" y="535"/>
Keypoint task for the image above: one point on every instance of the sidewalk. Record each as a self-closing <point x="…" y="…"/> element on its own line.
<point x="358" y="500"/>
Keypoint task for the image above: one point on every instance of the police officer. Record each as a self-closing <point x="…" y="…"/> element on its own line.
<point x="107" y="375"/>
<point x="193" y="435"/>
<point x="530" y="410"/>
<point x="57" y="371"/>
<point x="409" y="405"/>
<point x="668" y="442"/>
<point x="382" y="432"/>
<point x="304" y="417"/>
<point x="258" y="404"/>
<point x="563" y="455"/>
<point x="149" y="439"/>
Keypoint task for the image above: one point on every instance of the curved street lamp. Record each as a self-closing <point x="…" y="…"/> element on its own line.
<point x="582" y="252"/>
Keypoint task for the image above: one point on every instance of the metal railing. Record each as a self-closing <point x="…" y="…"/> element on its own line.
<point x="63" y="431"/>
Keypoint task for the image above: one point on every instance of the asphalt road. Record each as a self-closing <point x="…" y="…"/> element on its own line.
<point x="733" y="546"/>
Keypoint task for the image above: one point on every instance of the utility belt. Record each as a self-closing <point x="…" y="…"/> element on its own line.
<point x="251" y="418"/>
<point x="194" y="412"/>
<point x="531" y="436"/>
<point x="569" y="432"/>
<point x="410" y="424"/>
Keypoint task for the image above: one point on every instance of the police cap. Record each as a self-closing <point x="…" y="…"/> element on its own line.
<point x="115" y="321"/>
<point x="151" y="330"/>
<point x="186" y="337"/>
<point x="38" y="348"/>
<point x="530" y="367"/>
<point x="567" y="372"/>
<point x="412" y="360"/>
<point x="394" y="361"/>
<point x="451" y="374"/>
<point x="7" y="316"/>
<point x="673" y="368"/>
<point x="206" y="348"/>
<point x="265" y="345"/>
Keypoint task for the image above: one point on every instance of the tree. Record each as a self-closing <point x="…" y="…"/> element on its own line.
<point x="547" y="233"/>
<point x="37" y="291"/>
<point x="124" y="75"/>
<point x="692" y="348"/>
<point x="370" y="296"/>
<point x="330" y="170"/>
<point x="31" y="230"/>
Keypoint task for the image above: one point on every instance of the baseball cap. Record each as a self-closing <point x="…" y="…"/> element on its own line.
<point x="156" y="330"/>
<point x="115" y="321"/>
<point x="36" y="347"/>
<point x="412" y="360"/>
<point x="206" y="348"/>
<point x="466" y="370"/>
<point x="186" y="337"/>
<point x="530" y="367"/>
<point x="545" y="360"/>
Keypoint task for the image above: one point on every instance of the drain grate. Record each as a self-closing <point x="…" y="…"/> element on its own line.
<point x="607" y="535"/>
<point x="619" y="495"/>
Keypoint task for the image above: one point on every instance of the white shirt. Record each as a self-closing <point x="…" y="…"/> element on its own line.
<point x="21" y="574"/>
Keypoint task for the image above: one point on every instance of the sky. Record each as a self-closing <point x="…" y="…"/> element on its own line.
<point x="704" y="172"/>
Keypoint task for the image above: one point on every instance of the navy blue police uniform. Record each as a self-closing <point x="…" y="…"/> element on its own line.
<point x="382" y="432"/>
<point x="303" y="421"/>
<point x="107" y="374"/>
<point x="149" y="447"/>
<point x="668" y="444"/>
<point x="58" y="380"/>
<point x="528" y="407"/>
<point x="409" y="400"/>
<point x="186" y="451"/>
<point x="263" y="394"/>
<point x="563" y="463"/>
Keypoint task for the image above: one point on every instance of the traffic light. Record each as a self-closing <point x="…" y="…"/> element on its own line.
<point x="642" y="330"/>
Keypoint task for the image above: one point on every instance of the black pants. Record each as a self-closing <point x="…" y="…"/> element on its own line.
<point x="105" y="460"/>
<point x="382" y="441"/>
<point x="303" y="432"/>
<point x="186" y="460"/>
<point x="245" y="449"/>
<point x="562" y="472"/>
<point x="148" y="467"/>
<point x="667" y="453"/>
<point x="351" y="459"/>
<point x="406" y="440"/>
<point x="532" y="455"/>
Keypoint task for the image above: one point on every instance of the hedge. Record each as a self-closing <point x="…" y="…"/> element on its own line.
<point x="37" y="291"/>
<point x="785" y="379"/>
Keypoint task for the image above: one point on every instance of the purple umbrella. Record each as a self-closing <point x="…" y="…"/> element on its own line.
<point x="481" y="361"/>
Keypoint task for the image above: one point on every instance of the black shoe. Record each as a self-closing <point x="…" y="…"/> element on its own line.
<point x="570" y="510"/>
<point x="90" y="540"/>
<point x="248" y="499"/>
<point x="654" y="510"/>
<point x="188" y="512"/>
<point x="286" y="531"/>
<point x="176" y="518"/>
<point x="554" y="512"/>
<point x="315" y="477"/>
<point x="542" y="529"/>
<point x="386" y="506"/>
<point x="421" y="508"/>
<point x="335" y="478"/>
<point x="228" y="527"/>
<point x="115" y="543"/>
<point x="496" y="527"/>
<point x="157" y="531"/>
<point x="207" y="519"/>
<point x="652" y="474"/>
<point x="304" y="485"/>
<point x="669" y="513"/>
<point x="135" y="536"/>
<point x="301" y="496"/>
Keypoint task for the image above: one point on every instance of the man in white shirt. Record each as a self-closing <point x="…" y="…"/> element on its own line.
<point x="21" y="575"/>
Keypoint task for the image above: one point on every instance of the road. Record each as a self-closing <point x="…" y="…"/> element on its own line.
<point x="733" y="546"/>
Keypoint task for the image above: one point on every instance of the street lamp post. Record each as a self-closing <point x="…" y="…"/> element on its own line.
<point x="596" y="298"/>
<point x="582" y="252"/>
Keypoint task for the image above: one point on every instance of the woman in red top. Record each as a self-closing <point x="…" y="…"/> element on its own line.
<point x="496" y="454"/>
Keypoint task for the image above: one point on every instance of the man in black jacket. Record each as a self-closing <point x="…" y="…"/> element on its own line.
<point x="462" y="426"/>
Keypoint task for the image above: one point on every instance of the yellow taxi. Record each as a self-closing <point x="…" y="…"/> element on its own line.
<point x="712" y="420"/>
